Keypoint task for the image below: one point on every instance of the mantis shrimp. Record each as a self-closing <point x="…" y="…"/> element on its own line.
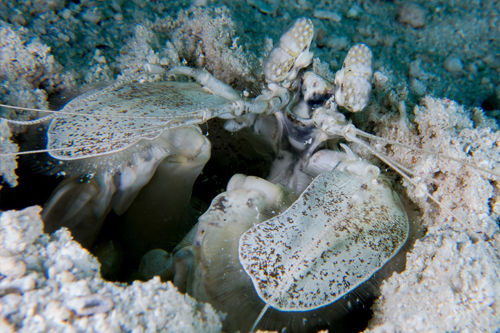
<point x="323" y="223"/>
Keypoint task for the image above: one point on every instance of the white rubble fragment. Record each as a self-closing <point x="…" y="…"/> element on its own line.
<point x="418" y="87"/>
<point x="8" y="164"/>
<point x="416" y="70"/>
<point x="454" y="64"/>
<point x="50" y="283"/>
<point x="445" y="126"/>
<point x="337" y="43"/>
<point x="327" y="15"/>
<point x="412" y="14"/>
<point x="262" y="6"/>
<point x="140" y="59"/>
<point x="11" y="266"/>
<point x="92" y="15"/>
<point x="452" y="280"/>
<point x="207" y="38"/>
<point x="354" y="12"/>
<point x="461" y="275"/>
<point x="26" y="64"/>
<point x="380" y="78"/>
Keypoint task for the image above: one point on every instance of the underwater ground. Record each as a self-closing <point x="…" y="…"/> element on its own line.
<point x="438" y="62"/>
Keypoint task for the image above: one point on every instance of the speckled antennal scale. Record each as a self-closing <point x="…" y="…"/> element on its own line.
<point x="119" y="116"/>
<point x="342" y="229"/>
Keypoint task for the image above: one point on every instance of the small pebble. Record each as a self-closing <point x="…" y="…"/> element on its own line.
<point x="63" y="37"/>
<point x="65" y="277"/>
<point x="262" y="6"/>
<point x="412" y="14"/>
<point x="11" y="267"/>
<point x="380" y="79"/>
<point x="453" y="64"/>
<point x="354" y="12"/>
<point x="153" y="68"/>
<point x="19" y="19"/>
<point x="327" y="15"/>
<point x="5" y="326"/>
<point x="21" y="285"/>
<point x="92" y="15"/>
<point x="418" y="87"/>
<point x="337" y="43"/>
<point x="416" y="70"/>
<point x="55" y="311"/>
<point x="90" y="305"/>
<point x="66" y="14"/>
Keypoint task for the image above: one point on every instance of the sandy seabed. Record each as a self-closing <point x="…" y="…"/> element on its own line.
<point x="437" y="61"/>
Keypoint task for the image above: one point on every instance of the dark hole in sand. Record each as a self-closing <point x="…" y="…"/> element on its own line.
<point x="228" y="158"/>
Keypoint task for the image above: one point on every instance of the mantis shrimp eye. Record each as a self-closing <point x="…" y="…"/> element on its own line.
<point x="291" y="54"/>
<point x="352" y="82"/>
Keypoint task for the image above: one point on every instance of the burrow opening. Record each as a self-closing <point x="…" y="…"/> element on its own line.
<point x="231" y="153"/>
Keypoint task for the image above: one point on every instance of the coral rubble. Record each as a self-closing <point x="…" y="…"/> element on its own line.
<point x="50" y="283"/>
<point x="451" y="280"/>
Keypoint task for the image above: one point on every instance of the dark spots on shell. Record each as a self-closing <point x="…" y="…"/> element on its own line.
<point x="220" y="204"/>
